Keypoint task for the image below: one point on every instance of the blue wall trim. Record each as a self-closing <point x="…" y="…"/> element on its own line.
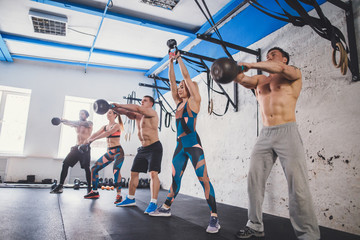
<point x="4" y="51"/>
<point x="116" y="16"/>
<point x="77" y="63"/>
<point x="78" y="48"/>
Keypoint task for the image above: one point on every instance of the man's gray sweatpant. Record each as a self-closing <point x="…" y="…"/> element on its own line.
<point x="283" y="141"/>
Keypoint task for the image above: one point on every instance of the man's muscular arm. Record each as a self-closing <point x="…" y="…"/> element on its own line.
<point x="87" y="124"/>
<point x="122" y="111"/>
<point x="147" y="112"/>
<point x="246" y="81"/>
<point x="291" y="73"/>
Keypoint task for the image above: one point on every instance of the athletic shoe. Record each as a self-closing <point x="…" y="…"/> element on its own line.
<point x="161" y="212"/>
<point x="118" y="199"/>
<point x="152" y="207"/>
<point x="92" y="195"/>
<point x="214" y="225"/>
<point x="58" y="189"/>
<point x="248" y="233"/>
<point x="127" y="202"/>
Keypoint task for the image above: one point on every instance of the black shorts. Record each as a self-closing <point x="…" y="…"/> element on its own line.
<point x="75" y="156"/>
<point x="148" y="158"/>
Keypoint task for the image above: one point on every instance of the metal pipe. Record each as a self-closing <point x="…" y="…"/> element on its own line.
<point x="194" y="55"/>
<point x="138" y="99"/>
<point x="227" y="44"/>
<point x="160" y="78"/>
<point x="152" y="86"/>
<point x="97" y="34"/>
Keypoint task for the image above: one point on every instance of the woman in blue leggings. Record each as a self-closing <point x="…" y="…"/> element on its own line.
<point x="115" y="153"/>
<point x="187" y="99"/>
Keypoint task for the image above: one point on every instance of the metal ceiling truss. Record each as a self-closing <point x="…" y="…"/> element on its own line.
<point x="123" y="18"/>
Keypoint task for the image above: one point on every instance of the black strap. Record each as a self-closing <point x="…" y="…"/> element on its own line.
<point x="168" y="114"/>
<point x="321" y="25"/>
<point x="167" y="119"/>
<point x="212" y="24"/>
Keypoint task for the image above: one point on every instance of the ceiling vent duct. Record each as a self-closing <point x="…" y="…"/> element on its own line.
<point x="48" y="23"/>
<point x="167" y="4"/>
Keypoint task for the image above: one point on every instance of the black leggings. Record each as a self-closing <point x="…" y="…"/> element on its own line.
<point x="64" y="172"/>
<point x="71" y="159"/>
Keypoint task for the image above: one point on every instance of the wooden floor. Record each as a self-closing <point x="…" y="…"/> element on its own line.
<point x="33" y="213"/>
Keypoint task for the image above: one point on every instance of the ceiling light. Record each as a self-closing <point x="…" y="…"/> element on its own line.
<point x="167" y="4"/>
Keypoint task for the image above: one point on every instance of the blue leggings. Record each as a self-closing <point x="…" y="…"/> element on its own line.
<point x="113" y="153"/>
<point x="190" y="147"/>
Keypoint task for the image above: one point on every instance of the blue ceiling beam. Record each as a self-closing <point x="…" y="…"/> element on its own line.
<point x="116" y="16"/>
<point x="206" y="26"/>
<point x="4" y="51"/>
<point x="76" y="63"/>
<point x="77" y="48"/>
<point x="2" y="57"/>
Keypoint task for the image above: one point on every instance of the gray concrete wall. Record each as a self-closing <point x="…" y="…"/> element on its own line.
<point x="327" y="114"/>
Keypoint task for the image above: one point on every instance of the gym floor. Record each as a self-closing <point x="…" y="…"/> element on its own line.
<point x="33" y="213"/>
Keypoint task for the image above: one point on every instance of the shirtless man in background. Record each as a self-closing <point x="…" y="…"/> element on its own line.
<point x="277" y="95"/>
<point x="83" y="130"/>
<point x="149" y="155"/>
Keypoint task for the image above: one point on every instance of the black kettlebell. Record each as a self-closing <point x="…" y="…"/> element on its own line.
<point x="123" y="182"/>
<point x="171" y="43"/>
<point x="76" y="184"/>
<point x="225" y="70"/>
<point x="100" y="183"/>
<point x="101" y="106"/>
<point x="83" y="148"/>
<point x="106" y="182"/>
<point x="111" y="182"/>
<point x="55" y="121"/>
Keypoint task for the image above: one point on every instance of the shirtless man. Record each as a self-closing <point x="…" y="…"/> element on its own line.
<point x="149" y="155"/>
<point x="83" y="130"/>
<point x="277" y="95"/>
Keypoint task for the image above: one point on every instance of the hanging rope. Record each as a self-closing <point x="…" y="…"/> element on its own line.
<point x="343" y="63"/>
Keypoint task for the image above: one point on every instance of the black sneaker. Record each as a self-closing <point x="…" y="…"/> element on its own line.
<point x="248" y="233"/>
<point x="58" y="189"/>
<point x="92" y="195"/>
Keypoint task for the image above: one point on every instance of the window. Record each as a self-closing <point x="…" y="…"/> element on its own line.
<point x="72" y="107"/>
<point x="14" y="110"/>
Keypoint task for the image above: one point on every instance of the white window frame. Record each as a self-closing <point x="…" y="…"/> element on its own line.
<point x="5" y="91"/>
<point x="101" y="144"/>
